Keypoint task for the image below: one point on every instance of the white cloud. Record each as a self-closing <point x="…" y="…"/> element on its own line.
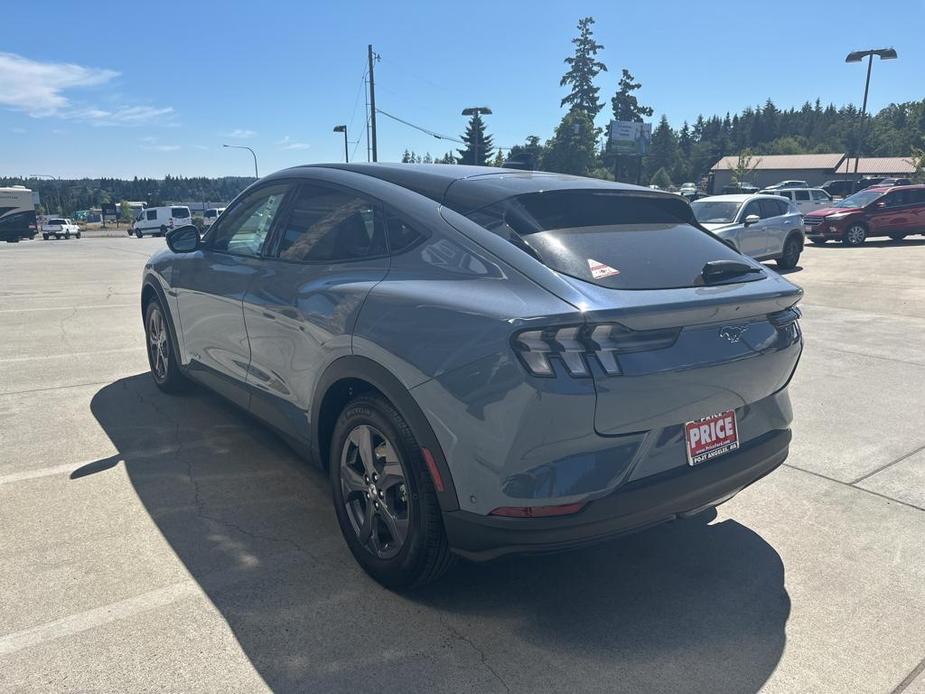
<point x="38" y="89"/>
<point x="240" y="134"/>
<point x="287" y="144"/>
<point x="161" y="148"/>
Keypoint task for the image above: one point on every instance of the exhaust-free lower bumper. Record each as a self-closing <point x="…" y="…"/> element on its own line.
<point x="634" y="506"/>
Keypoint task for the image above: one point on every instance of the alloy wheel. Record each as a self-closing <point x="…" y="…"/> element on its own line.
<point x="158" y="345"/>
<point x="374" y="491"/>
<point x="856" y="235"/>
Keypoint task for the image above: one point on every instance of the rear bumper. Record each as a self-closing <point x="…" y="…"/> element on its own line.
<point x="634" y="506"/>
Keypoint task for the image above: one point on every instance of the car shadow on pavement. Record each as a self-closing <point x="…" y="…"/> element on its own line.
<point x="692" y="606"/>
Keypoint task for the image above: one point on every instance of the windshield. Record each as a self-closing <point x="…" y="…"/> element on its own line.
<point x="861" y="199"/>
<point x="615" y="240"/>
<point x="715" y="211"/>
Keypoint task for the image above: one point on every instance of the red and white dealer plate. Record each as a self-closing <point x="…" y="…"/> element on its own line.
<point x="711" y="437"/>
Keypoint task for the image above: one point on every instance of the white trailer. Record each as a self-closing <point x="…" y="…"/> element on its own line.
<point x="17" y="214"/>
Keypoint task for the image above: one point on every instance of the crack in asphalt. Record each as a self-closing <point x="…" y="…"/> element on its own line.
<point x="459" y="636"/>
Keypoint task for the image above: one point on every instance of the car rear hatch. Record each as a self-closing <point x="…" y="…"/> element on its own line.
<point x="673" y="325"/>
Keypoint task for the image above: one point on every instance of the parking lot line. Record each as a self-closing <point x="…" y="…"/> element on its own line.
<point x="71" y="355"/>
<point x="63" y="308"/>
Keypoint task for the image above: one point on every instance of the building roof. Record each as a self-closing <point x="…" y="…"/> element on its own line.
<point x="878" y="165"/>
<point x="781" y="162"/>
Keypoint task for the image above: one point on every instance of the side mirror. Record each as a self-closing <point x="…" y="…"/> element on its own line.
<point x="183" y="239"/>
<point x="880" y="205"/>
<point x="752" y="219"/>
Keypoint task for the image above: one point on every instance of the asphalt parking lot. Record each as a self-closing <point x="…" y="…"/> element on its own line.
<point x="169" y="543"/>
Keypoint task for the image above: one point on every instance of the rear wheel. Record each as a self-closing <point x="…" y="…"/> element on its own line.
<point x="791" y="253"/>
<point x="855" y="235"/>
<point x="384" y="498"/>
<point x="77" y="235"/>
<point x="45" y="236"/>
<point x="165" y="367"/>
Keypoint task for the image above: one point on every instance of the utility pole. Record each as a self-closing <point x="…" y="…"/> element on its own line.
<point x="372" y="102"/>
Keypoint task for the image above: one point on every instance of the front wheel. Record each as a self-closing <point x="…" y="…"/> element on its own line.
<point x="67" y="236"/>
<point x="791" y="254"/>
<point x="855" y="235"/>
<point x="138" y="234"/>
<point x="45" y="236"/>
<point x="165" y="367"/>
<point x="77" y="235"/>
<point x="384" y="498"/>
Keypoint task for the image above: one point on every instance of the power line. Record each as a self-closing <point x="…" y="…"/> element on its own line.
<point x="432" y="133"/>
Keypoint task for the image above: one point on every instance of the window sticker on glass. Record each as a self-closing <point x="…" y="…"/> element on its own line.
<point x="599" y="270"/>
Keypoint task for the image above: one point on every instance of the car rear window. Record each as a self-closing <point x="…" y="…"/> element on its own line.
<point x="616" y="240"/>
<point x="56" y="221"/>
<point x="179" y="212"/>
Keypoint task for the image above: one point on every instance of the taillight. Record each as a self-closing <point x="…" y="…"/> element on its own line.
<point x="575" y="345"/>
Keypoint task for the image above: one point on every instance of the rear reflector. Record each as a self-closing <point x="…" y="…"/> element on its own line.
<point x="537" y="511"/>
<point x="433" y="469"/>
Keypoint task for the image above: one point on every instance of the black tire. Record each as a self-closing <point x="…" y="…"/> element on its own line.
<point x="67" y="235"/>
<point x="138" y="234"/>
<point x="820" y="242"/>
<point x="45" y="236"/>
<point x="77" y="235"/>
<point x="423" y="555"/>
<point x="791" y="253"/>
<point x="163" y="230"/>
<point x="897" y="237"/>
<point x="855" y="234"/>
<point x="165" y="367"/>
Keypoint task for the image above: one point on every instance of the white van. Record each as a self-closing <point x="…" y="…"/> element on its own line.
<point x="17" y="214"/>
<point x="157" y="221"/>
<point x="210" y="215"/>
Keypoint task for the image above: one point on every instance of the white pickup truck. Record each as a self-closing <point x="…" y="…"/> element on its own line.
<point x="60" y="227"/>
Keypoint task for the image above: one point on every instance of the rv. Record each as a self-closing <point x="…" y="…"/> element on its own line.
<point x="17" y="214"/>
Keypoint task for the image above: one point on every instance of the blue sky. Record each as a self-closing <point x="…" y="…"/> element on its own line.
<point x="123" y="89"/>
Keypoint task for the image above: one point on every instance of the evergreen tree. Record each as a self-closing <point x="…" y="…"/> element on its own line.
<point x="664" y="151"/>
<point x="583" y="68"/>
<point x="661" y="179"/>
<point x="499" y="159"/>
<point x="476" y="137"/>
<point x="625" y="104"/>
<point x="527" y="156"/>
<point x="572" y="150"/>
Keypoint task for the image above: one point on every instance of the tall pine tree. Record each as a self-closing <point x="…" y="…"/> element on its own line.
<point x="583" y="68"/>
<point x="475" y="137"/>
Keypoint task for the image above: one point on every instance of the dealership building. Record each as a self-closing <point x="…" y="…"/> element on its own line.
<point x="815" y="169"/>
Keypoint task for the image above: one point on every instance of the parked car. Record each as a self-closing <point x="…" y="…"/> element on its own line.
<point x="806" y="199"/>
<point x="895" y="212"/>
<point x="458" y="347"/>
<point x="765" y="227"/>
<point x="210" y="215"/>
<point x="60" y="227"/>
<point x="895" y="182"/>
<point x="840" y="188"/>
<point x="157" y="221"/>
<point x="734" y="188"/>
<point x="868" y="181"/>
<point x="688" y="189"/>
<point x="788" y="184"/>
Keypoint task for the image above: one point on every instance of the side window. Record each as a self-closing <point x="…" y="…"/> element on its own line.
<point x="893" y="199"/>
<point x="329" y="225"/>
<point x="820" y="195"/>
<point x="401" y="236"/>
<point x="151" y="215"/>
<point x="751" y="208"/>
<point x="244" y="231"/>
<point x="916" y="197"/>
<point x="801" y="194"/>
<point x="771" y="208"/>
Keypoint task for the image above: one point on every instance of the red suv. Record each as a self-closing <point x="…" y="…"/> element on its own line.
<point x="894" y="211"/>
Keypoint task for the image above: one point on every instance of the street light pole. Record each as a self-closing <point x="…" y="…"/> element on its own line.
<point x="476" y="111"/>
<point x="57" y="180"/>
<point x="343" y="129"/>
<point x="857" y="57"/>
<point x="253" y="154"/>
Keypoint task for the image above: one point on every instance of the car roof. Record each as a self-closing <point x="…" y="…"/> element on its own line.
<point x="908" y="186"/>
<point x="466" y="188"/>
<point x="738" y="197"/>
